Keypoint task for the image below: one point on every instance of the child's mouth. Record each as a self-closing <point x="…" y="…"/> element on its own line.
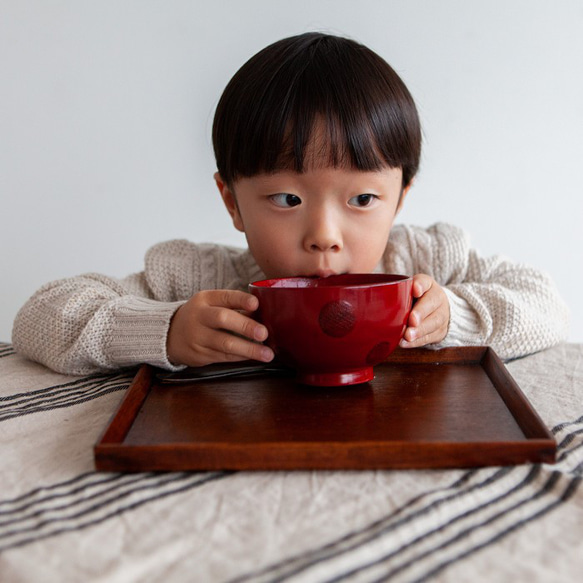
<point x="323" y="273"/>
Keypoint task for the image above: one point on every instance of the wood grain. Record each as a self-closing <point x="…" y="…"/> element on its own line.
<point x="424" y="409"/>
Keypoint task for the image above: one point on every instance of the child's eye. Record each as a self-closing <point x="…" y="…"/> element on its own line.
<point x="362" y="200"/>
<point x="286" y="200"/>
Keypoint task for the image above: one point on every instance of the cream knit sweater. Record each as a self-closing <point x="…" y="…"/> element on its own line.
<point x="94" y="323"/>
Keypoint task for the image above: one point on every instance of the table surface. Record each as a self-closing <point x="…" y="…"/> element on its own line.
<point x="62" y="521"/>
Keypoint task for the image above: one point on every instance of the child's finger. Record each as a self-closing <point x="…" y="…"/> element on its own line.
<point x="233" y="322"/>
<point x="434" y="324"/>
<point x="431" y="329"/>
<point x="422" y="283"/>
<point x="228" y="347"/>
<point x="429" y="319"/>
<point x="229" y="298"/>
<point x="417" y="342"/>
<point x="424" y="307"/>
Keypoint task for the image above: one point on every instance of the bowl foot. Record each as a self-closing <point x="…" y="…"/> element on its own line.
<point x="334" y="379"/>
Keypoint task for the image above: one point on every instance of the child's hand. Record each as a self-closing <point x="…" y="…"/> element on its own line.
<point x="214" y="326"/>
<point x="429" y="318"/>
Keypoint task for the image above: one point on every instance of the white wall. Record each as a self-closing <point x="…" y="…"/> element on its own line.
<point x="106" y="108"/>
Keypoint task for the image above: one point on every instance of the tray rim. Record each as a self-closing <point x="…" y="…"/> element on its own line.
<point x="538" y="445"/>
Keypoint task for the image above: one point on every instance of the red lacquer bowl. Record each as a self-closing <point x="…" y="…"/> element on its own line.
<point x="333" y="330"/>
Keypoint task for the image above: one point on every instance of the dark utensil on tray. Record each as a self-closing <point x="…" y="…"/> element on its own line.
<point x="222" y="370"/>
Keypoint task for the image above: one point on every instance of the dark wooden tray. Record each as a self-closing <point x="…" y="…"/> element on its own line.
<point x="457" y="407"/>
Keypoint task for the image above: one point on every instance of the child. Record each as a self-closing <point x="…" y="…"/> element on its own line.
<point x="317" y="141"/>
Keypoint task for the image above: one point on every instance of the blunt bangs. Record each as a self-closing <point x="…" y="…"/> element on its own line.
<point x="315" y="99"/>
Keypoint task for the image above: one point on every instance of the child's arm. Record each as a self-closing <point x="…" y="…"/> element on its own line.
<point x="91" y="323"/>
<point x="514" y="308"/>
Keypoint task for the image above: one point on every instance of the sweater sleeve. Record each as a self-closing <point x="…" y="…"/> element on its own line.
<point x="512" y="307"/>
<point x="92" y="323"/>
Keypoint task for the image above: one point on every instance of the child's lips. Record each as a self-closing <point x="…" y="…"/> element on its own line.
<point x="323" y="273"/>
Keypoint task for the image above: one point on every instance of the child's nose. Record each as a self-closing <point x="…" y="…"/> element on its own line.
<point x="323" y="234"/>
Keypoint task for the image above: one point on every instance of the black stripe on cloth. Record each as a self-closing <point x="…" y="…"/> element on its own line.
<point x="416" y="558"/>
<point x="71" y="393"/>
<point x="572" y="486"/>
<point x="490" y="487"/>
<point x="569" y="438"/>
<point x="67" y="387"/>
<point x="37" y="492"/>
<point x="63" y="395"/>
<point x="113" y="495"/>
<point x="48" y="399"/>
<point x="38" y="505"/>
<point x="429" y="500"/>
<point x="6" y="350"/>
<point x="525" y="506"/>
<point x="557" y="428"/>
<point x="567" y="441"/>
<point x="521" y="513"/>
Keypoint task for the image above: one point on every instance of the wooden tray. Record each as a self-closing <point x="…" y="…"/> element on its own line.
<point x="457" y="407"/>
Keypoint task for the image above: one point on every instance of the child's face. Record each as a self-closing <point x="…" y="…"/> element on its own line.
<point x="322" y="222"/>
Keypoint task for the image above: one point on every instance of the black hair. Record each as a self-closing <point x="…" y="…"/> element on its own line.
<point x="268" y="111"/>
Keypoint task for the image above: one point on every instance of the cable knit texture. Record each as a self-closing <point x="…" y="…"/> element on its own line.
<point x="95" y="323"/>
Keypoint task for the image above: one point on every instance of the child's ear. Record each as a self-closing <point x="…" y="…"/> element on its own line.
<point x="230" y="202"/>
<point x="403" y="197"/>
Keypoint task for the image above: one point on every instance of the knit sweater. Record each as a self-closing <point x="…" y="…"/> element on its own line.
<point x="93" y="323"/>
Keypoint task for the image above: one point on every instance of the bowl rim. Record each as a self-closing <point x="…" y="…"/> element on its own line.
<point x="263" y="284"/>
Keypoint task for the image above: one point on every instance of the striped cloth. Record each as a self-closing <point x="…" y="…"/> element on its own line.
<point x="62" y="521"/>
